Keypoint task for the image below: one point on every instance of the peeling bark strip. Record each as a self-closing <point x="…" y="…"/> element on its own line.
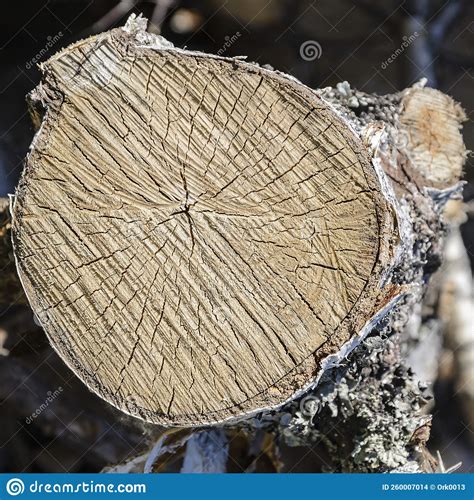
<point x="196" y="234"/>
<point x="11" y="291"/>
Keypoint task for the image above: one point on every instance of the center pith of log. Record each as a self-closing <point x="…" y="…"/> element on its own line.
<point x="195" y="234"/>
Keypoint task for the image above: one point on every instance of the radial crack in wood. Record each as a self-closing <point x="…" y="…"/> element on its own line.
<point x="195" y="234"/>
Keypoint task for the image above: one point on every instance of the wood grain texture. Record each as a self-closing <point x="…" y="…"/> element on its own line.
<point x="431" y="122"/>
<point x="195" y="234"/>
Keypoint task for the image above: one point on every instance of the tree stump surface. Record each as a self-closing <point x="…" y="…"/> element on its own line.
<point x="195" y="234"/>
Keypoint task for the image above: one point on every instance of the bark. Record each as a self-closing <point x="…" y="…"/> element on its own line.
<point x="11" y="291"/>
<point x="329" y="367"/>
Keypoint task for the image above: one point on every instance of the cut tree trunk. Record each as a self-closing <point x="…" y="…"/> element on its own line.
<point x="202" y="238"/>
<point x="195" y="234"/>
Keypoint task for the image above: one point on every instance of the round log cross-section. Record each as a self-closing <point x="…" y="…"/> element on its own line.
<point x="195" y="234"/>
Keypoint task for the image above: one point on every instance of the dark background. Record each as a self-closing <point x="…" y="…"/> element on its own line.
<point x="356" y="39"/>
